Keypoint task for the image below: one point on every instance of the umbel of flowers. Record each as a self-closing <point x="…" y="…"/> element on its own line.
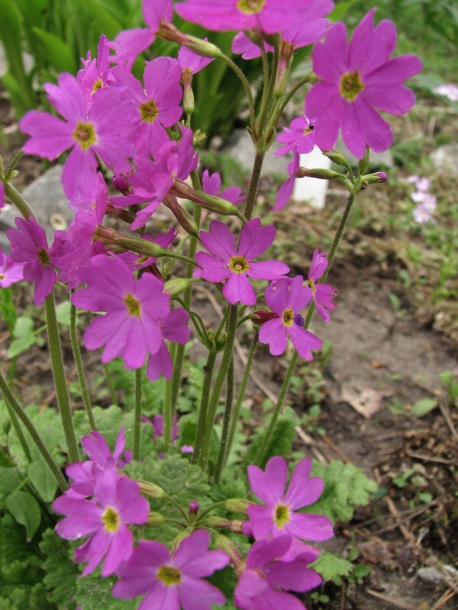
<point x="139" y="286"/>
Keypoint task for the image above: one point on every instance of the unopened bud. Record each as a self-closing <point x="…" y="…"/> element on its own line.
<point x="237" y="505"/>
<point x="151" y="490"/>
<point x="350" y="186"/>
<point x="175" y="287"/>
<point x="167" y="31"/>
<point x="155" y="519"/>
<point x="262" y="316"/>
<point x="322" y="174"/>
<point x="188" y="99"/>
<point x="184" y="218"/>
<point x="336" y="157"/>
<point x="229" y="547"/>
<point x="374" y="178"/>
<point x="217" y="522"/>
<point x="209" y="202"/>
<point x="193" y="507"/>
<point x="141" y="246"/>
<point x="120" y="183"/>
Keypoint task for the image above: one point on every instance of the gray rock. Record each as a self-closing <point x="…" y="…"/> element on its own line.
<point x="240" y="147"/>
<point x="376" y="160"/>
<point x="48" y="202"/>
<point x="430" y="576"/>
<point x="445" y="159"/>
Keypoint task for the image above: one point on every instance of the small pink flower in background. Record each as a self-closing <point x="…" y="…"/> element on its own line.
<point x="422" y="183"/>
<point x="260" y="585"/>
<point x="421" y="214"/>
<point x="323" y="294"/>
<point x="211" y="184"/>
<point x="88" y="134"/>
<point x="278" y="516"/>
<point x="300" y="137"/>
<point x="96" y="72"/>
<point x="130" y="43"/>
<point x="287" y="298"/>
<point x="222" y="15"/>
<point x="172" y="581"/>
<point x="10" y="271"/>
<point x="117" y="503"/>
<point x="355" y="79"/>
<point x="157" y="421"/>
<point x="449" y="90"/>
<point x="286" y="189"/>
<point x="156" y="104"/>
<point x="225" y="262"/>
<point x="131" y="328"/>
<point x="30" y="246"/>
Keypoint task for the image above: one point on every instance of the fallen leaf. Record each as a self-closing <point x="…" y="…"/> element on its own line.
<point x="365" y="401"/>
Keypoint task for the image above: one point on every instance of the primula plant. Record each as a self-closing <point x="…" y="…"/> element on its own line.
<point x="155" y="506"/>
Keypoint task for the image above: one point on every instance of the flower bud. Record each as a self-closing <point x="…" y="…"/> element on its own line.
<point x="167" y="31"/>
<point x="188" y="99"/>
<point x="374" y="178"/>
<point x="141" y="246"/>
<point x="184" y="218"/>
<point x="322" y="174"/>
<point x="193" y="507"/>
<point x="237" y="505"/>
<point x="261" y="316"/>
<point x="229" y="547"/>
<point x="175" y="287"/>
<point x="120" y="183"/>
<point x="217" y="522"/>
<point x="151" y="490"/>
<point x="155" y="519"/>
<point x="336" y="157"/>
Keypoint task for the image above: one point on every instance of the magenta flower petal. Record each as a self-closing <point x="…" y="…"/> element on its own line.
<point x="51" y="136"/>
<point x="159" y="364"/>
<point x="304" y="341"/>
<point x="219" y="241"/>
<point x="269" y="485"/>
<point x="311" y="527"/>
<point x="275" y="335"/>
<point x="195" y="559"/>
<point x="293" y="576"/>
<point x="254" y="239"/>
<point x="302" y="490"/>
<point x="267" y="270"/>
<point x="120" y="550"/>
<point x="130" y="43"/>
<point x="213" y="269"/>
<point x="238" y="289"/>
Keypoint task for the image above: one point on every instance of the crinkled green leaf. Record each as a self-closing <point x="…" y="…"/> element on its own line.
<point x="281" y="441"/>
<point x="25" y="509"/>
<point x="24" y="336"/>
<point x="42" y="479"/>
<point x="94" y="593"/>
<point x="329" y="566"/>
<point x="345" y="487"/>
<point x="61" y="572"/>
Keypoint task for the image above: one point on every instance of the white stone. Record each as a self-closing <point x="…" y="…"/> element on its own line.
<point x="312" y="190"/>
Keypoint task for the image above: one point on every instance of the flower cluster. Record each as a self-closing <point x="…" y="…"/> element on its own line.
<point x="426" y="202"/>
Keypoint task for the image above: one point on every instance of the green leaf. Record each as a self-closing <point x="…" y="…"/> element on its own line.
<point x="281" y="441"/>
<point x="102" y="17"/>
<point x="58" y="53"/>
<point x="24" y="336"/>
<point x="9" y="480"/>
<point x="63" y="313"/>
<point x="42" y="479"/>
<point x="6" y="461"/>
<point x="329" y="566"/>
<point x="61" y="572"/>
<point x="25" y="509"/>
<point x="94" y="593"/>
<point x="424" y="406"/>
<point x="345" y="487"/>
<point x="340" y="10"/>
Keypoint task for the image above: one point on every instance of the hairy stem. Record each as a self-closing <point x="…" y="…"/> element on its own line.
<point x="137" y="413"/>
<point x="80" y="368"/>
<point x="226" y="430"/>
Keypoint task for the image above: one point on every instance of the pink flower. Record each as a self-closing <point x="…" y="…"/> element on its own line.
<point x="10" y="271"/>
<point x="173" y="328"/>
<point x="131" y="328"/>
<point x="137" y="261"/>
<point x="211" y="184"/>
<point x="323" y="294"/>
<point x="30" y="246"/>
<point x="156" y="105"/>
<point x="172" y="581"/>
<point x="286" y="189"/>
<point x="88" y="134"/>
<point x="130" y="43"/>
<point x="287" y="298"/>
<point x="300" y="137"/>
<point x="116" y="504"/>
<point x="260" y="585"/>
<point x="191" y="62"/>
<point x="235" y="265"/>
<point x="356" y="78"/>
<point x="96" y="72"/>
<point x="221" y="15"/>
<point x="278" y="516"/>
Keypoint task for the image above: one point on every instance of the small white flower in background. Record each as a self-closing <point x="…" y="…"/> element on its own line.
<point x="450" y="91"/>
<point x="429" y="202"/>
<point x="421" y="214"/>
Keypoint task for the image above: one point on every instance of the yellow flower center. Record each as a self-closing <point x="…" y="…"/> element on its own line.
<point x="2" y="276"/>
<point x="43" y="257"/>
<point x="97" y="86"/>
<point x="308" y="130"/>
<point x="238" y="264"/>
<point x="170" y="576"/>
<point x="312" y="285"/>
<point x="133" y="305"/>
<point x="287" y="317"/>
<point x="149" y="111"/>
<point x="111" y="519"/>
<point x="351" y="85"/>
<point x="249" y="7"/>
<point x="84" y="134"/>
<point x="281" y="516"/>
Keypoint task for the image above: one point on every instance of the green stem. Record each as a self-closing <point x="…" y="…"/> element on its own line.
<point x="242" y="390"/>
<point x="254" y="185"/>
<point x="110" y="384"/>
<point x="137" y="413"/>
<point x="310" y="77"/>
<point x="175" y="504"/>
<point x="247" y="88"/>
<point x="181" y="257"/>
<point x="216" y="393"/>
<point x="12" y="166"/>
<point x="168" y="413"/>
<point x="20" y="413"/>
<point x="80" y="368"/>
<point x="60" y="382"/>
<point x="289" y="373"/>
<point x="208" y="373"/>
<point x="21" y="204"/>
<point x="273" y="76"/>
<point x="225" y="432"/>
